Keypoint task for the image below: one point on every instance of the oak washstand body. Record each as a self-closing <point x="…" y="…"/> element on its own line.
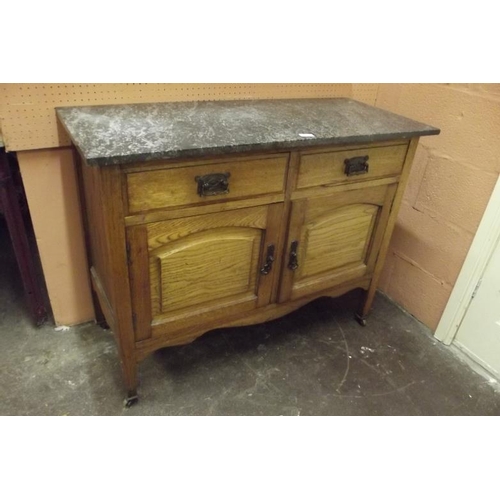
<point x="202" y="215"/>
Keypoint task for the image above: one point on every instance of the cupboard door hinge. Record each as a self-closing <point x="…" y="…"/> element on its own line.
<point x="477" y="288"/>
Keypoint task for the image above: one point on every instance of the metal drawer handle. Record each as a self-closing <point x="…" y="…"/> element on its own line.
<point x="213" y="184"/>
<point x="268" y="265"/>
<point x="356" y="165"/>
<point x="293" y="261"/>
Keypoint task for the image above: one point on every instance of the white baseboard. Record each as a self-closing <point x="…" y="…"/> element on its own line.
<point x="476" y="364"/>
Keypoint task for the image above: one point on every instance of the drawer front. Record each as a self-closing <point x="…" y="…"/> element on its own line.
<point x="317" y="169"/>
<point x="214" y="182"/>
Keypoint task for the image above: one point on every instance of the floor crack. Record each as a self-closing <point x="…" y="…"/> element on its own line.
<point x="348" y="357"/>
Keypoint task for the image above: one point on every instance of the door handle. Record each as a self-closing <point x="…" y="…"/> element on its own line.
<point x="268" y="264"/>
<point x="293" y="261"/>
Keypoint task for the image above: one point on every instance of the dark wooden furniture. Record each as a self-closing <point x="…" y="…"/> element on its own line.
<point x="18" y="231"/>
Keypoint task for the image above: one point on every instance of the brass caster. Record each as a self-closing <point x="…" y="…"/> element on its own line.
<point x="131" y="399"/>
<point x="360" y="319"/>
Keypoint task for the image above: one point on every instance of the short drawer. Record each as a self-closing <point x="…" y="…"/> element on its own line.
<point x="213" y="182"/>
<point x="333" y="167"/>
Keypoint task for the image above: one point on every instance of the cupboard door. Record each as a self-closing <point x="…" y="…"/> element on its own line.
<point x="333" y="239"/>
<point x="190" y="271"/>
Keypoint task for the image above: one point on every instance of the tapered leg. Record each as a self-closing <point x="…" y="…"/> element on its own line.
<point x="99" y="315"/>
<point x="365" y="304"/>
<point x="369" y="295"/>
<point x="129" y="368"/>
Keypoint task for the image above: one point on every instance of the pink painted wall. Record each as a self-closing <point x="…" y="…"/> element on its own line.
<point x="451" y="182"/>
<point x="49" y="178"/>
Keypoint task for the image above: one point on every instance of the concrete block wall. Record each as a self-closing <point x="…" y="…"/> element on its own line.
<point x="452" y="180"/>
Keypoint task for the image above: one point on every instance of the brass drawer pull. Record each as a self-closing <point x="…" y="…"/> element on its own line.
<point x="213" y="184"/>
<point x="293" y="262"/>
<point x="356" y="165"/>
<point x="268" y="265"/>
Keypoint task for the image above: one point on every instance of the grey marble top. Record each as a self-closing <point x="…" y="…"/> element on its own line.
<point x="108" y="135"/>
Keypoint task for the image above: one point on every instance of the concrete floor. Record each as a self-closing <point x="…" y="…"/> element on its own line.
<point x="315" y="361"/>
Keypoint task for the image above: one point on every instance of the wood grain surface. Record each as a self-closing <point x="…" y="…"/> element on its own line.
<point x="174" y="266"/>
